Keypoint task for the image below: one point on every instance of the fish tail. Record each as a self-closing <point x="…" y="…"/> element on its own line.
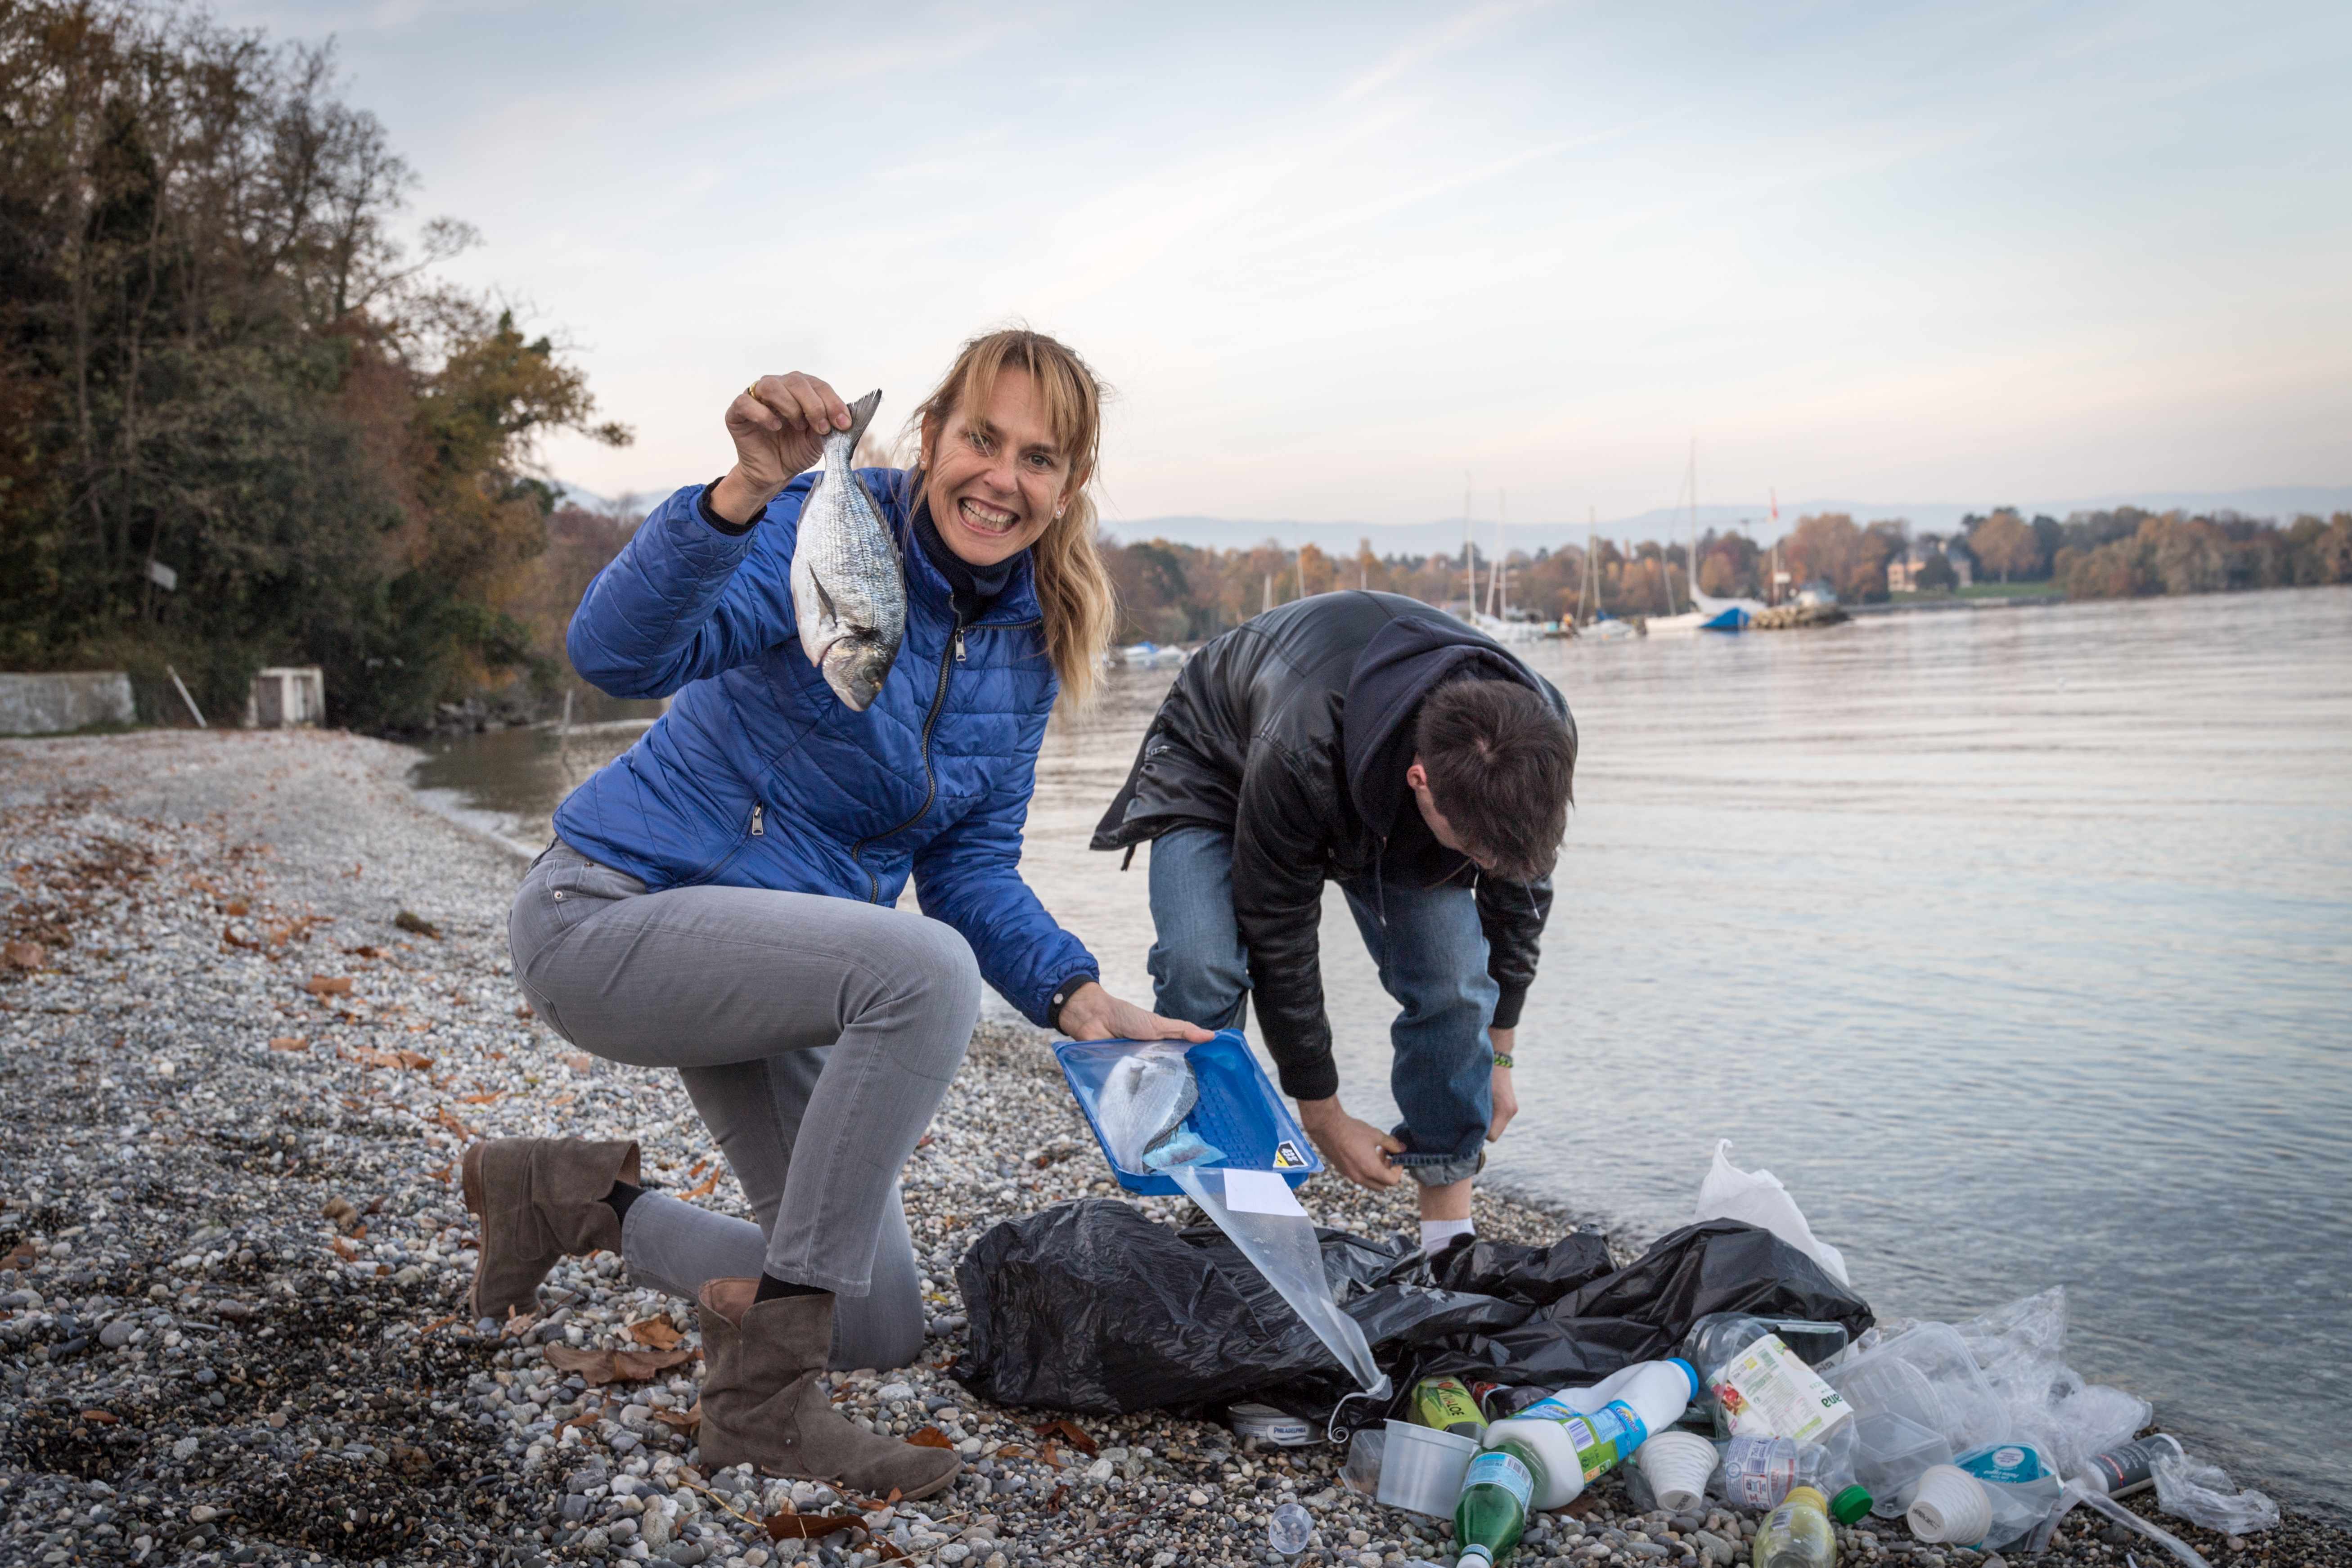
<point x="860" y="412"/>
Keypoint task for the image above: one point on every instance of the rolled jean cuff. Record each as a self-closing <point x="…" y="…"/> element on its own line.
<point x="1439" y="1170"/>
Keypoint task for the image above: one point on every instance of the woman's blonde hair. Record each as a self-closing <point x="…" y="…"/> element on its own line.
<point x="1073" y="589"/>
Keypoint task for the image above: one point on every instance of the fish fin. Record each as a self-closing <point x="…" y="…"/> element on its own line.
<point x="823" y="599"/>
<point x="860" y="412"/>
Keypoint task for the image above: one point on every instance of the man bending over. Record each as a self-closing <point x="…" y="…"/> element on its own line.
<point x="1372" y="741"/>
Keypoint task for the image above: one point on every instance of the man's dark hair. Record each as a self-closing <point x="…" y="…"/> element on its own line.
<point x="1502" y="770"/>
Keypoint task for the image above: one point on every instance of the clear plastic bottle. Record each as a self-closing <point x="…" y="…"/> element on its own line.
<point x="1797" y="1535"/>
<point x="1755" y="1383"/>
<point x="1576" y="1447"/>
<point x="1497" y="1491"/>
<point x="1760" y="1473"/>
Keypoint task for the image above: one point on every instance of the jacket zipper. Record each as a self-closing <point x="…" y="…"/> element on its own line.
<point x="930" y="779"/>
<point x="757" y="831"/>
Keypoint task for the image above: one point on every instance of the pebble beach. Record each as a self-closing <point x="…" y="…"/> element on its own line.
<point x="254" y="999"/>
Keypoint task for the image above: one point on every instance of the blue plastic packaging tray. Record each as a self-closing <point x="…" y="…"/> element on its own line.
<point x="1239" y="1111"/>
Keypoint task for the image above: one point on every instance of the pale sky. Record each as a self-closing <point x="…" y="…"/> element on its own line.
<point x="1332" y="258"/>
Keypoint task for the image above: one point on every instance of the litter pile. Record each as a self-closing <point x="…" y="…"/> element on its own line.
<point x="1733" y="1364"/>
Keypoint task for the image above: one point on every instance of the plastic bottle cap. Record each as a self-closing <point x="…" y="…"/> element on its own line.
<point x="1850" y="1505"/>
<point x="1688" y="1371"/>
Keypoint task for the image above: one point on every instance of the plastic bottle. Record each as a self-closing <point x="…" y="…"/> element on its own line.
<point x="2128" y="1468"/>
<point x="1577" y="1445"/>
<point x="1497" y="1491"/>
<point x="1797" y="1535"/>
<point x="1447" y="1405"/>
<point x="1585" y="1400"/>
<point x="1758" y="1386"/>
<point x="1758" y="1473"/>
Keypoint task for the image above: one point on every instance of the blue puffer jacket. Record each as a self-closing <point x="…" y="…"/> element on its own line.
<point x="758" y="778"/>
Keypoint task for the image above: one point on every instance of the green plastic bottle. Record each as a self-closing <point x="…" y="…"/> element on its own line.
<point x="1798" y="1534"/>
<point x="1492" y="1509"/>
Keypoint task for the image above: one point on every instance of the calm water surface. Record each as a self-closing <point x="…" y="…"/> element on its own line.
<point x="2019" y="943"/>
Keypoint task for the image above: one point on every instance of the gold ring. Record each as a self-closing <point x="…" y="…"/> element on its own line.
<point x="752" y="390"/>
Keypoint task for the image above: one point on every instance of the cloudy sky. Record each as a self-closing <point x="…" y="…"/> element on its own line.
<point x="1331" y="258"/>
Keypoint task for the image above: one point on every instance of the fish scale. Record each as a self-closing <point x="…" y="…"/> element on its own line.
<point x="849" y="587"/>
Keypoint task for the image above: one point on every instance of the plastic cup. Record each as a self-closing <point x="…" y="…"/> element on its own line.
<point x="1951" y="1506"/>
<point x="1676" y="1464"/>
<point x="1420" y="1469"/>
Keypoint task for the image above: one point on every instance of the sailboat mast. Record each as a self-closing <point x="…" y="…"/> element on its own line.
<point x="1469" y="545"/>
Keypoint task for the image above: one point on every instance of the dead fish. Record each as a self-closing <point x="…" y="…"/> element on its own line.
<point x="1144" y="1099"/>
<point x="849" y="591"/>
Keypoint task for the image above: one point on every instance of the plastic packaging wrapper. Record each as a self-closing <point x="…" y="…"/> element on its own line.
<point x="1091" y="1307"/>
<point x="2020" y="1349"/>
<point x="1759" y="1198"/>
<point x="1283" y="1248"/>
<point x="2204" y="1494"/>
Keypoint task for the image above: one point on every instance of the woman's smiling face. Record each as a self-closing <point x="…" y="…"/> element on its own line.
<point x="997" y="476"/>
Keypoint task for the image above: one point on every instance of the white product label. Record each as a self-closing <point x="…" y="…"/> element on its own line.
<point x="1261" y="1192"/>
<point x="1768" y="1391"/>
<point x="1496" y="1469"/>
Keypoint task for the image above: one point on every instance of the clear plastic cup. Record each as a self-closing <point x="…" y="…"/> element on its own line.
<point x="1891" y="1452"/>
<point x="1951" y="1506"/>
<point x="1676" y="1464"/>
<point x="1365" y="1451"/>
<point x="1420" y="1469"/>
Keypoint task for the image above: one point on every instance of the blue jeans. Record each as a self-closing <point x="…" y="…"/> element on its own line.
<point x="1432" y="961"/>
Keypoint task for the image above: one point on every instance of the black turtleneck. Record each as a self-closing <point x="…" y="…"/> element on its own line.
<point x="974" y="587"/>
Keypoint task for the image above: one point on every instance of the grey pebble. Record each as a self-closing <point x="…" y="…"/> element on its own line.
<point x="117" y="1334"/>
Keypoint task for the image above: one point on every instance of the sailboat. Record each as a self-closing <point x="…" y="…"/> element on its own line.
<point x="1706" y="614"/>
<point x="1496" y="619"/>
<point x="1593" y="623"/>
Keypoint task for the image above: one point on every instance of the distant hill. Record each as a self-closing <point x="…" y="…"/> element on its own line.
<point x="1445" y="534"/>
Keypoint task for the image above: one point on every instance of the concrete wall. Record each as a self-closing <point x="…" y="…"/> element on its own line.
<point x="46" y="704"/>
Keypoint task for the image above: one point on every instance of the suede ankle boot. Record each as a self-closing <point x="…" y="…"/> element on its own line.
<point x="540" y="1199"/>
<point x="764" y="1403"/>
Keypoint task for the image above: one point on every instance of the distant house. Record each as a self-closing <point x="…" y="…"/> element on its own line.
<point x="1903" y="572"/>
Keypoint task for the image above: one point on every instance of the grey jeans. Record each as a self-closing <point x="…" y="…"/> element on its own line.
<point x="817" y="1037"/>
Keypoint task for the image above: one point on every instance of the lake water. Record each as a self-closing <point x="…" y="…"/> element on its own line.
<point x="2018" y="943"/>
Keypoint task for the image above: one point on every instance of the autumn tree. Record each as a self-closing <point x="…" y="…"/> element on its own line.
<point x="2008" y="546"/>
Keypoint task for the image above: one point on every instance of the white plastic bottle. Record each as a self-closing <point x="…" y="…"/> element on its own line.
<point x="1579" y="1445"/>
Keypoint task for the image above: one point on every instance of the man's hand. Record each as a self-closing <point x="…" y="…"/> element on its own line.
<point x="1506" y="1099"/>
<point x="1093" y="1013"/>
<point x="1357" y="1149"/>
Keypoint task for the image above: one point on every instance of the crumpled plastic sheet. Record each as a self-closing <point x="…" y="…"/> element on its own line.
<point x="2204" y="1494"/>
<point x="2021" y="1348"/>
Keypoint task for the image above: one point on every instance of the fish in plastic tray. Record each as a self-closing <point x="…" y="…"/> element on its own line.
<point x="1144" y="1100"/>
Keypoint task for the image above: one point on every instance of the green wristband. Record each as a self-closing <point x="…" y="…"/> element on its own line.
<point x="1503" y="1059"/>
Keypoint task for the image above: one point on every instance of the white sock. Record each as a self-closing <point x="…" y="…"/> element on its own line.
<point x="1437" y="1234"/>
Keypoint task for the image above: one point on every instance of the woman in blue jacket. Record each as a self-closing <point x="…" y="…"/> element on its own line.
<point x="720" y="899"/>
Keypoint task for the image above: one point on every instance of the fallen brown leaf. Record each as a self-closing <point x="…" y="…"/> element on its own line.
<point x="229" y="936"/>
<point x="524" y="1011"/>
<point x="686" y="1421"/>
<point x="493" y="1098"/>
<point x="813" y="1526"/>
<point x="602" y="1366"/>
<point x="442" y="1116"/>
<point x="436" y="1325"/>
<point x="703" y="1188"/>
<point x="235" y="907"/>
<point x="345" y="1250"/>
<point x="290" y="1043"/>
<point x="930" y="1437"/>
<point x="363" y="952"/>
<point x="20" y="1256"/>
<point x="102" y="1418"/>
<point x="407" y="921"/>
<point x="1071" y="1433"/>
<point x="579" y="1061"/>
<point x="329" y="985"/>
<point x="339" y="1209"/>
<point x="563" y="1099"/>
<point x="26" y="954"/>
<point x="654" y="1332"/>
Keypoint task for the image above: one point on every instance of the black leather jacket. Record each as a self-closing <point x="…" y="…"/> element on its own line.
<point x="1292" y="732"/>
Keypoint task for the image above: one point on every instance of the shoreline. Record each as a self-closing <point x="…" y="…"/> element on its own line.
<point x="234" y="1307"/>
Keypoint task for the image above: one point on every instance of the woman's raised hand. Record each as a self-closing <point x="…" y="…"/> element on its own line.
<point x="778" y="424"/>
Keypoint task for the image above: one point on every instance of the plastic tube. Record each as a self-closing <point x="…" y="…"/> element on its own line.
<point x="2073" y="1493"/>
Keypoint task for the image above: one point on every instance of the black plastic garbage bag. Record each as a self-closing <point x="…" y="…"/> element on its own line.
<point x="1537" y="1276"/>
<point x="1089" y="1306"/>
<point x="1642" y="1311"/>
